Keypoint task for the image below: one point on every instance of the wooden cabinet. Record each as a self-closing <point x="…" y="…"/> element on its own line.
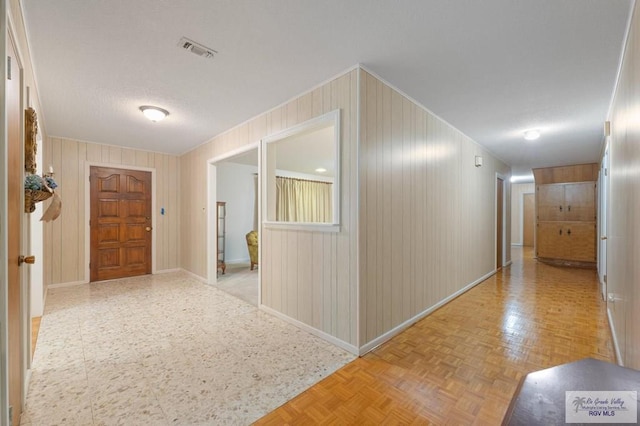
<point x="575" y="241"/>
<point x="566" y="209"/>
<point x="221" y="213"/>
<point x="580" y="201"/>
<point x="566" y="202"/>
<point x="566" y="221"/>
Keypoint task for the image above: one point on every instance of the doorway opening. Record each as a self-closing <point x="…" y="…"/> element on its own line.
<point x="233" y="222"/>
<point x="499" y="222"/>
<point x="528" y="219"/>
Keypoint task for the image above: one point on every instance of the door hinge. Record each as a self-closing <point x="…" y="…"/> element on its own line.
<point x="10" y="415"/>
<point x="8" y="67"/>
<point x="606" y="171"/>
<point x="605" y="278"/>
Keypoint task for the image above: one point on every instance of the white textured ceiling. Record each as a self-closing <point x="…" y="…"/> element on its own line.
<point x="491" y="68"/>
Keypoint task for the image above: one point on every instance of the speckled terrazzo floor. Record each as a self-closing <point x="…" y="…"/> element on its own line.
<point x="166" y="350"/>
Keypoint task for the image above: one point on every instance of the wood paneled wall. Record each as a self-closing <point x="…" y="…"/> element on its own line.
<point x="623" y="268"/>
<point x="427" y="214"/>
<point x="566" y="174"/>
<point x="517" y="189"/>
<point x="64" y="238"/>
<point x="308" y="276"/>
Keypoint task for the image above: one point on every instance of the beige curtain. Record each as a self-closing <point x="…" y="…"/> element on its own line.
<point x="299" y="200"/>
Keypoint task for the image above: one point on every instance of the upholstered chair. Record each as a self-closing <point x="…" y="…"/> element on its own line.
<point x="252" y="245"/>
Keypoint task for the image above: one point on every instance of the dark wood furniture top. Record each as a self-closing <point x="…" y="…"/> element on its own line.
<point x="540" y="397"/>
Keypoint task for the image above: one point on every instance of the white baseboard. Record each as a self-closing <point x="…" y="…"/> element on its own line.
<point x="408" y="323"/>
<point x="616" y="347"/>
<point x="321" y="334"/>
<point x="67" y="284"/>
<point x="195" y="276"/>
<point x="166" y="271"/>
<point x="163" y="271"/>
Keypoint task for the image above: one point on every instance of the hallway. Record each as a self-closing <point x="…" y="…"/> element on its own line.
<point x="463" y="363"/>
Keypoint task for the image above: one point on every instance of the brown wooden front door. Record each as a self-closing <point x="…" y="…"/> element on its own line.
<point x="120" y="223"/>
<point x="15" y="210"/>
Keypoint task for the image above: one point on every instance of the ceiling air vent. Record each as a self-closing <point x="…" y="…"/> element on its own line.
<point x="196" y="48"/>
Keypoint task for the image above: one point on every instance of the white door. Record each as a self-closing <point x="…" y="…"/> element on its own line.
<point x="602" y="220"/>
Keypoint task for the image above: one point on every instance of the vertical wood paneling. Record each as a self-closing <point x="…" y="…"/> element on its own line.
<point x="129" y="158"/>
<point x="64" y="238"/>
<point x="56" y="234"/>
<point x="69" y="188"/>
<point x="623" y="251"/>
<point x="417" y="186"/>
<point x="427" y="216"/>
<point x="173" y="204"/>
<point x="354" y="123"/>
<point x="308" y="276"/>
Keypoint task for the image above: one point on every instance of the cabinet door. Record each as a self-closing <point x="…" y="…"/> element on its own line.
<point x="551" y="242"/>
<point x="550" y="202"/>
<point x="580" y="201"/>
<point x="582" y="240"/>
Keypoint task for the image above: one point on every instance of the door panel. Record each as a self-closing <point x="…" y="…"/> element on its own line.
<point x="582" y="237"/>
<point x="120" y="223"/>
<point x="580" y="201"/>
<point x="551" y="242"/>
<point x="550" y="199"/>
<point x="15" y="175"/>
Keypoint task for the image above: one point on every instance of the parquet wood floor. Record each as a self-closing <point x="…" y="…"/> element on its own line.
<point x="462" y="363"/>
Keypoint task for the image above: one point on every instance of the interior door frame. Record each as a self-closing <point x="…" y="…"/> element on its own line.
<point x="4" y="257"/>
<point x="501" y="177"/>
<point x="87" y="212"/>
<point x="603" y="217"/>
<point x="212" y="233"/>
<point x="25" y="292"/>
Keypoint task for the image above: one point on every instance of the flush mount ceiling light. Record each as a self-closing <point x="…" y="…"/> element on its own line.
<point x="196" y="48"/>
<point x="154" y="113"/>
<point x="321" y="170"/>
<point x="532" y="135"/>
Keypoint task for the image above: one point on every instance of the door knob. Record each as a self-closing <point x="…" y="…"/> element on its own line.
<point x="26" y="259"/>
<point x="148" y="228"/>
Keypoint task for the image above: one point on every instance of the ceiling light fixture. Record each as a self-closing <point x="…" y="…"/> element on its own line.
<point x="154" y="113"/>
<point x="321" y="170"/>
<point x="196" y="48"/>
<point x="532" y="135"/>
